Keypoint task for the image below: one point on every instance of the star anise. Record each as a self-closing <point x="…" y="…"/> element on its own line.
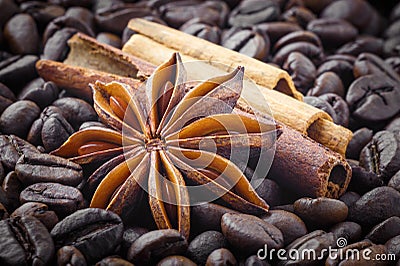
<point x="166" y="135"/>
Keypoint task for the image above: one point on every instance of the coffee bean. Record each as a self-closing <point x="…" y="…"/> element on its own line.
<point x="384" y="231"/>
<point x="109" y="38"/>
<point x="341" y="67"/>
<point x="299" y="15"/>
<point x="349" y="198"/>
<point x="130" y="235"/>
<point x="95" y="232"/>
<point x="56" y="47"/>
<point x="42" y="95"/>
<point x="249" y="43"/>
<point x="382" y="154"/>
<point x="394" y="182"/>
<point x="255" y="261"/>
<point x="302" y="71"/>
<point x="202" y="30"/>
<point x="321" y="104"/>
<point x="393" y="30"/>
<point x="313" y="52"/>
<point x="39" y="211"/>
<point x="207" y="216"/>
<point x="369" y="64"/>
<point x="67" y="3"/>
<point x="203" y="244"/>
<point x="367" y="250"/>
<point x="339" y="106"/>
<point x="394" y="62"/>
<point x="12" y="188"/>
<point x="113" y="261"/>
<point x="176" y="261"/>
<point x="362" y="180"/>
<point x="16" y="71"/>
<point x="270" y="191"/>
<point x="12" y="148"/>
<point x="8" y="9"/>
<point x="83" y="14"/>
<point x="298" y="36"/>
<point x="321" y="211"/>
<point x="61" y="199"/>
<point x="249" y="233"/>
<point x="21" y="34"/>
<point x="351" y="231"/>
<point x="360" y="138"/>
<point x="362" y="44"/>
<point x="70" y="255"/>
<point x="276" y="30"/>
<point x="328" y="82"/>
<point x="251" y="12"/>
<point x="390" y="46"/>
<point x="393" y="246"/>
<point x="287" y="207"/>
<point x="156" y="245"/>
<point x="221" y="257"/>
<point x="375" y="206"/>
<point x="7" y="97"/>
<point x="291" y="226"/>
<point x="42" y="12"/>
<point x="374" y="97"/>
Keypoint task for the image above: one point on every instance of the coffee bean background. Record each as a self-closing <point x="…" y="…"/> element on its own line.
<point x="343" y="55"/>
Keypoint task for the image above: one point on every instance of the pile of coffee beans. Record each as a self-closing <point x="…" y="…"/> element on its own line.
<point x="343" y="55"/>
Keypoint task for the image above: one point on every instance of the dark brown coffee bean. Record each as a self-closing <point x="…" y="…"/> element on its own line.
<point x="276" y="30"/>
<point x="109" y="38"/>
<point x="156" y="245"/>
<point x="207" y="216"/>
<point x="321" y="104"/>
<point x="362" y="44"/>
<point x="394" y="62"/>
<point x="375" y="206"/>
<point x="113" y="261"/>
<point x="39" y="211"/>
<point x="249" y="233"/>
<point x="298" y="36"/>
<point x="42" y="95"/>
<point x="70" y="255"/>
<point x="302" y="71"/>
<point x="384" y="231"/>
<point x="374" y="97"/>
<point x="36" y="168"/>
<point x="251" y="12"/>
<point x="21" y="34"/>
<point x="8" y="9"/>
<point x="82" y="14"/>
<point x="328" y="82"/>
<point x="299" y="15"/>
<point x="361" y="137"/>
<point x="25" y="241"/>
<point x="349" y="198"/>
<point x="339" y="106"/>
<point x="341" y="67"/>
<point x="393" y="246"/>
<point x="367" y="252"/>
<point x="313" y="52"/>
<point x="221" y="257"/>
<point x="202" y="30"/>
<point x="95" y="232"/>
<point x="393" y="30"/>
<point x="270" y="191"/>
<point x="56" y="47"/>
<point x="362" y="180"/>
<point x="351" y="231"/>
<point x="12" y="148"/>
<point x="249" y="43"/>
<point x="61" y="199"/>
<point x="203" y="244"/>
<point x="390" y="46"/>
<point x="255" y="261"/>
<point x="16" y="71"/>
<point x="7" y="97"/>
<point x="42" y="12"/>
<point x="394" y="182"/>
<point x="382" y="154"/>
<point x="76" y="111"/>
<point x="368" y="64"/>
<point x="176" y="261"/>
<point x="12" y="188"/>
<point x="130" y="235"/>
<point x="291" y="226"/>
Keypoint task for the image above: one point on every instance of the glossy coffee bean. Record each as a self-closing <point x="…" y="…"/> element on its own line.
<point x="24" y="241"/>
<point x="109" y="38"/>
<point x="203" y="244"/>
<point x="394" y="182"/>
<point x="156" y="245"/>
<point x="70" y="255"/>
<point x="39" y="211"/>
<point x="61" y="199"/>
<point x="291" y="226"/>
<point x="249" y="233"/>
<point x="56" y="47"/>
<point x="362" y="44"/>
<point x="113" y="261"/>
<point x="95" y="232"/>
<point x="360" y="138"/>
<point x="270" y="191"/>
<point x="321" y="211"/>
<point x="12" y="148"/>
<point x="313" y="52"/>
<point x="375" y="206"/>
<point x="36" y="168"/>
<point x="321" y="104"/>
<point x="298" y="36"/>
<point x="8" y="9"/>
<point x="21" y="34"/>
<point x="299" y="15"/>
<point x="207" y="216"/>
<point x="390" y="46"/>
<point x="221" y="257"/>
<point x="339" y="106"/>
<point x="362" y="180"/>
<point x="130" y="235"/>
<point x="374" y="97"/>
<point x="176" y="261"/>
<point x="381" y="155"/>
<point x="341" y="67"/>
<point x="203" y="30"/>
<point x="385" y="230"/>
<point x="370" y="64"/>
<point x="42" y="12"/>
<point x="351" y="231"/>
<point x="43" y="95"/>
<point x="394" y="62"/>
<point x="251" y="12"/>
<point x="16" y="71"/>
<point x="7" y="97"/>
<point x="276" y="30"/>
<point x="249" y="43"/>
<point x="83" y="14"/>
<point x="327" y="82"/>
<point x="12" y="188"/>
<point x="302" y="71"/>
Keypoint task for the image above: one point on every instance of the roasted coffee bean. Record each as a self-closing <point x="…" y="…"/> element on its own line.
<point x="176" y="261"/>
<point x="362" y="180"/>
<point x="369" y="64"/>
<point x="362" y="44"/>
<point x="56" y="47"/>
<point x="339" y="106"/>
<point x="270" y="191"/>
<point x="51" y="129"/>
<point x="16" y="71"/>
<point x="251" y="12"/>
<point x="360" y="138"/>
<point x="42" y="95"/>
<point x="287" y="207"/>
<point x="384" y="231"/>
<point x="70" y="255"/>
<point x="61" y="199"/>
<point x="291" y="226"/>
<point x="8" y="9"/>
<point x="299" y="15"/>
<point x="393" y="30"/>
<point x="351" y="231"/>
<point x="248" y="42"/>
<point x="113" y="261"/>
<point x="375" y="206"/>
<point x="321" y="104"/>
<point x="393" y="246"/>
<point x="12" y="188"/>
<point x="12" y="148"/>
<point x="7" y="97"/>
<point x="25" y="241"/>
<point x="39" y="211"/>
<point x="18" y="118"/>
<point x="394" y="182"/>
<point x="276" y="30"/>
<point x="302" y="71"/>
<point x="255" y="261"/>
<point x="109" y="38"/>
<point x="349" y="198"/>
<point x="95" y="232"/>
<point x="374" y="97"/>
<point x="382" y="154"/>
<point x="21" y="34"/>
<point x="36" y="168"/>
<point x="313" y="52"/>
<point x="394" y="62"/>
<point x="203" y="244"/>
<point x="249" y="233"/>
<point x="130" y="235"/>
<point x="76" y="111"/>
<point x="328" y="82"/>
<point x="341" y="67"/>
<point x="367" y="250"/>
<point x="321" y="211"/>
<point x="42" y="12"/>
<point x="207" y="216"/>
<point x="298" y="36"/>
<point x="83" y="14"/>
<point x="3" y="211"/>
<point x="156" y="245"/>
<point x="202" y="30"/>
<point x="221" y="257"/>
<point x="390" y="46"/>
